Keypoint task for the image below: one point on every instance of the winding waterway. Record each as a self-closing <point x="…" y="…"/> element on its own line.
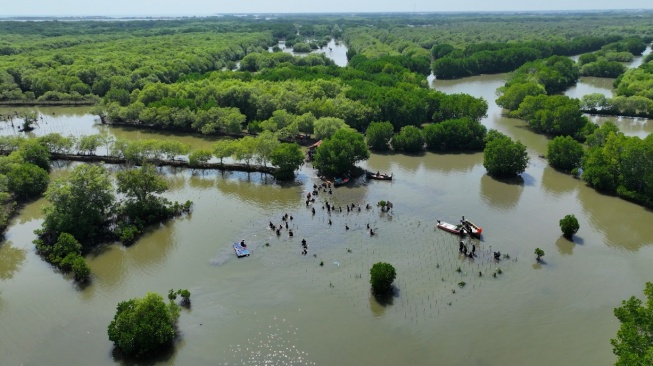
<point x="279" y="307"/>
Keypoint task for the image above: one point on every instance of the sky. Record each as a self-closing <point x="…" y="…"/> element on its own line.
<point x="211" y="7"/>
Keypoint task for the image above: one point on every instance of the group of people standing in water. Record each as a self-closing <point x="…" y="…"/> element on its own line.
<point x="324" y="187"/>
<point x="462" y="248"/>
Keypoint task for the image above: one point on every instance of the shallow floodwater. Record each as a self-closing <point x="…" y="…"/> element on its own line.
<point x="279" y="307"/>
<point x="335" y="50"/>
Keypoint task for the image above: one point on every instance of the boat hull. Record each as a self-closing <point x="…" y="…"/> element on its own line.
<point x="240" y="250"/>
<point x="475" y="229"/>
<point x="451" y="228"/>
<point x="372" y="175"/>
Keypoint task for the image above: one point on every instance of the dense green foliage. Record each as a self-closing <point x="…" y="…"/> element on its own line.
<point x="556" y="115"/>
<point x="199" y="157"/>
<point x="378" y="135"/>
<point x="145" y="325"/>
<point x="27" y="181"/>
<point x="66" y="253"/>
<point x="80" y="203"/>
<point x="528" y="93"/>
<point x="634" y="342"/>
<point x="288" y="158"/>
<point x="35" y="153"/>
<point x="222" y="102"/>
<point x="470" y="44"/>
<point x="615" y="163"/>
<point x="569" y="226"/>
<point x="555" y="74"/>
<point x="603" y="68"/>
<point x="141" y="207"/>
<point x="503" y="157"/>
<point x="607" y="62"/>
<point x="637" y="106"/>
<point x="492" y="58"/>
<point x="564" y="153"/>
<point x="512" y="96"/>
<point x="84" y="205"/>
<point x="462" y="134"/>
<point x="634" y="93"/>
<point x="20" y="179"/>
<point x="381" y="277"/>
<point x="82" y="60"/>
<point x="337" y="155"/>
<point x="410" y="139"/>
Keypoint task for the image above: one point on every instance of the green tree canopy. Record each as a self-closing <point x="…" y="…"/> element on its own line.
<point x="381" y="277"/>
<point x="199" y="157"/>
<point x="141" y="183"/>
<point x="325" y="127"/>
<point x="634" y="342"/>
<point x="564" y="153"/>
<point x="27" y="180"/>
<point x="569" y="226"/>
<point x="35" y="153"/>
<point x="410" y="139"/>
<point x="455" y="135"/>
<point x="378" y="135"/>
<point x="503" y="157"/>
<point x="512" y="96"/>
<point x="224" y="149"/>
<point x="143" y="325"/>
<point x="288" y="158"/>
<point x="338" y="154"/>
<point x="79" y="203"/>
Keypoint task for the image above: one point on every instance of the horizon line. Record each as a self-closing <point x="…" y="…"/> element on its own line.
<point x="115" y="16"/>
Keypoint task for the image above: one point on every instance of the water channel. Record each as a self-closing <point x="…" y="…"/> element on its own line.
<point x="279" y="307"/>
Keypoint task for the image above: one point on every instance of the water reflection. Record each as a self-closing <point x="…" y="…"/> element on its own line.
<point x="407" y="164"/>
<point x="379" y="303"/>
<point x="61" y="111"/>
<point x="637" y="61"/>
<point x="335" y="50"/>
<point x="381" y="163"/>
<point x="457" y="164"/>
<point x="501" y="195"/>
<point x="557" y="184"/>
<point x="115" y="264"/>
<point x="623" y="224"/>
<point x="251" y="189"/>
<point x="590" y="85"/>
<point x="565" y="246"/>
<point x="11" y="259"/>
<point x="640" y="127"/>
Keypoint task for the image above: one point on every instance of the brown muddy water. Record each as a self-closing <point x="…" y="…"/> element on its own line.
<point x="278" y="307"/>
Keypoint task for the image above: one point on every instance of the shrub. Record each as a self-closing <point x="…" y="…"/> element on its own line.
<point x="564" y="153"/>
<point x="143" y="325"/>
<point x="381" y="277"/>
<point x="539" y="253"/>
<point x="569" y="226"/>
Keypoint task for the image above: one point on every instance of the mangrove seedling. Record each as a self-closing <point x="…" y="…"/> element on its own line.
<point x="539" y="253"/>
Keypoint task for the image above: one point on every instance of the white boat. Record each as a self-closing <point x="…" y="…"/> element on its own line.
<point x="454" y="229"/>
